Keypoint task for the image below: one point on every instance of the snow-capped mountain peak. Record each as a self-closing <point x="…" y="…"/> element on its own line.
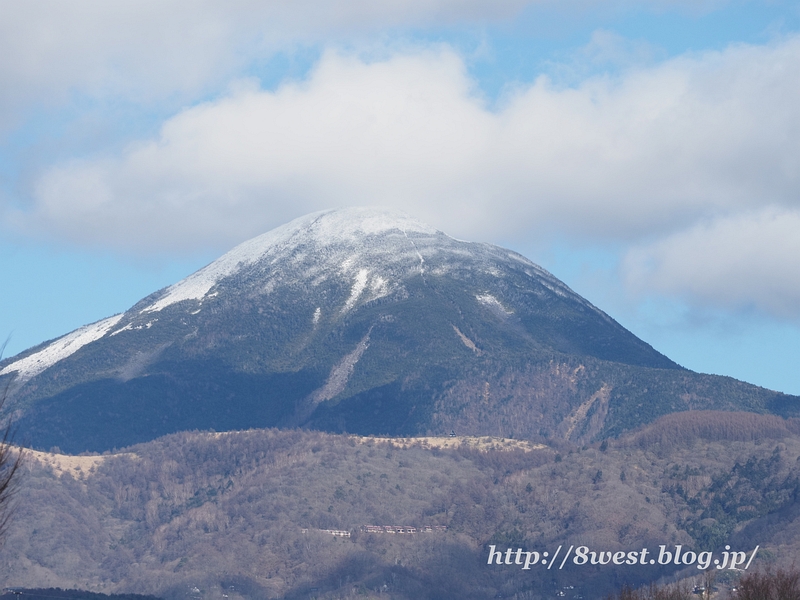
<point x="346" y="228"/>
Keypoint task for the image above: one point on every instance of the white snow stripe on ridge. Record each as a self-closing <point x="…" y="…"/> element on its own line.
<point x="32" y="365"/>
<point x="197" y="285"/>
<point x="358" y="287"/>
<point x="128" y="327"/>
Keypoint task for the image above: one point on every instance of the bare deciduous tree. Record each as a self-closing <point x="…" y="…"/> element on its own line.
<point x="10" y="463"/>
<point x="768" y="585"/>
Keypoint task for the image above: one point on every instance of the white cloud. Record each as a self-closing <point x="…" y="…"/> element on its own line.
<point x="147" y="50"/>
<point x="642" y="154"/>
<point x="738" y="262"/>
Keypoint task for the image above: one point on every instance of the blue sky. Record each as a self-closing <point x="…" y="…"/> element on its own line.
<point x="647" y="153"/>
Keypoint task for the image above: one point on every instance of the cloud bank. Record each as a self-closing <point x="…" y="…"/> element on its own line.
<point x="739" y="262"/>
<point x="146" y="51"/>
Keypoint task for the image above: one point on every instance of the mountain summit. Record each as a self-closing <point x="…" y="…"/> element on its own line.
<point x="360" y="320"/>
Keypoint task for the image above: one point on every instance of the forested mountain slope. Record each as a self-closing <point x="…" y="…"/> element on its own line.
<point x="243" y="513"/>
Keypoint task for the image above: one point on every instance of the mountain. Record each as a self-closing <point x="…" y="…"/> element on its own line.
<point x="248" y="515"/>
<point x="363" y="321"/>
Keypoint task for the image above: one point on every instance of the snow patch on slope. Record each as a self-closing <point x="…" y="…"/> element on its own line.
<point x="379" y="287"/>
<point x="32" y="365"/>
<point x="358" y="288"/>
<point x="128" y="327"/>
<point x="491" y="301"/>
